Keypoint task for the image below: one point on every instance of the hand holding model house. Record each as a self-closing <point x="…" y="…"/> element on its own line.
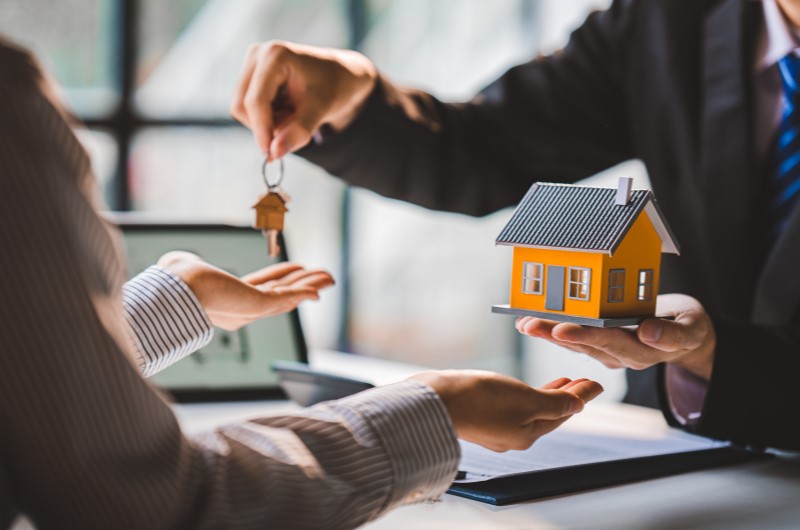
<point x="588" y="258"/>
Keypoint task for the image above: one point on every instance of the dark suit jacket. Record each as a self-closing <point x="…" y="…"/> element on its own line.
<point x="666" y="81"/>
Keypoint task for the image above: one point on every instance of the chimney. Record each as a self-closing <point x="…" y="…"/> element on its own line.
<point x="624" y="186"/>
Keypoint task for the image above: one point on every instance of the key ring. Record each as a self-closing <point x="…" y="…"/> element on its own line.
<point x="264" y="174"/>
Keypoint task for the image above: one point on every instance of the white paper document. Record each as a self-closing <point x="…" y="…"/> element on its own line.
<point x="598" y="434"/>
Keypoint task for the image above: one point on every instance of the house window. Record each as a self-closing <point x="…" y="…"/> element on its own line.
<point x="616" y="285"/>
<point x="579" y="283"/>
<point x="645" y="292"/>
<point x="532" y="278"/>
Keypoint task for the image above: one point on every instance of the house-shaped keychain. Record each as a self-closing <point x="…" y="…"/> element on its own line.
<point x="270" y="211"/>
<point x="586" y="255"/>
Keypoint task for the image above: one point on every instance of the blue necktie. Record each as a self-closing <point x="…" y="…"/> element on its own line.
<point x="783" y="188"/>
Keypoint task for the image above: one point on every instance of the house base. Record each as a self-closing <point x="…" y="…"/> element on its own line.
<point x="561" y="317"/>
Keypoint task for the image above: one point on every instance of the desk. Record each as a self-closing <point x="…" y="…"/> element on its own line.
<point x="762" y="495"/>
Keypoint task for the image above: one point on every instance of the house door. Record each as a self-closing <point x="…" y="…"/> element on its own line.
<point x="554" y="296"/>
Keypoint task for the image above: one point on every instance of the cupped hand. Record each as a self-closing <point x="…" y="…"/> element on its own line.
<point x="688" y="341"/>
<point x="232" y="302"/>
<point x="502" y="413"/>
<point x="286" y="91"/>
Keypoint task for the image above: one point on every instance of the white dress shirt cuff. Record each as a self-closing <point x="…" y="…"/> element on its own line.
<point x="165" y="319"/>
<point x="686" y="394"/>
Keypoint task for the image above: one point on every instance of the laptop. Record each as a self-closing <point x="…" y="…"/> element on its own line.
<point x="236" y="365"/>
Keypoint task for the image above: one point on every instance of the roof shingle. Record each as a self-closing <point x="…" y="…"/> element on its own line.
<point x="576" y="217"/>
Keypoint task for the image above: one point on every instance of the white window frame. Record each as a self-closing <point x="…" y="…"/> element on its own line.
<point x="616" y="291"/>
<point x="532" y="280"/>
<point x="645" y="285"/>
<point x="585" y="283"/>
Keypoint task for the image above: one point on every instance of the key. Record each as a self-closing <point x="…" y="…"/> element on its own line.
<point x="270" y="211"/>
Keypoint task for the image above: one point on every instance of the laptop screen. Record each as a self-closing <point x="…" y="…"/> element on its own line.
<point x="236" y="364"/>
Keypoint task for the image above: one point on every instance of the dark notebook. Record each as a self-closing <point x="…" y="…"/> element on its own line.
<point x="603" y="446"/>
<point x="571" y="479"/>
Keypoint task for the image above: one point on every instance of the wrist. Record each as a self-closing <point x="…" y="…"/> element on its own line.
<point x="442" y="386"/>
<point x="189" y="268"/>
<point x="364" y="77"/>
<point x="693" y="335"/>
<point x="699" y="362"/>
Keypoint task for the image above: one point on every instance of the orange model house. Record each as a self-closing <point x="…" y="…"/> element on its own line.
<point x="586" y="255"/>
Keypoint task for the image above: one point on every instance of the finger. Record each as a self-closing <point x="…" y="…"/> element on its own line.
<point x="585" y="389"/>
<point x="237" y="107"/>
<point x="607" y="360"/>
<point x="543" y="329"/>
<point x="572" y="383"/>
<point x="295" y="295"/>
<point x="537" y="327"/>
<point x="685" y="333"/>
<point x="556" y="383"/>
<point x="618" y="343"/>
<point x="296" y="132"/>
<point x="269" y="74"/>
<point x="296" y="276"/>
<point x="268" y="304"/>
<point x="520" y="323"/>
<point x="318" y="280"/>
<point x="271" y="273"/>
<point x="553" y="404"/>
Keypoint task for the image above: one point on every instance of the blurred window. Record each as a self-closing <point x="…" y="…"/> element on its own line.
<point x="191" y="51"/>
<point x="153" y="80"/>
<point x="74" y="40"/>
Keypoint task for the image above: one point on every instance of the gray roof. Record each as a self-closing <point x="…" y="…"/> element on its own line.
<point x="581" y="218"/>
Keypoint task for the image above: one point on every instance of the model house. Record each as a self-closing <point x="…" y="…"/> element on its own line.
<point x="585" y="254"/>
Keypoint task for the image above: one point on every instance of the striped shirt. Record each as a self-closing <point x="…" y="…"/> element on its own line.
<point x="86" y="442"/>
<point x="165" y="319"/>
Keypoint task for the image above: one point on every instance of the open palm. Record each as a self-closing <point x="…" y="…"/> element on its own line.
<point x="232" y="302"/>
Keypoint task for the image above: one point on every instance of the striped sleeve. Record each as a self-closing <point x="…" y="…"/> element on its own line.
<point x="343" y="463"/>
<point x="164" y="318"/>
<point x="419" y="440"/>
<point x="87" y="442"/>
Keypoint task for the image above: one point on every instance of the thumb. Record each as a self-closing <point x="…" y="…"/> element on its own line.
<point x="585" y="389"/>
<point x="554" y="404"/>
<point x="294" y="134"/>
<point x="682" y="334"/>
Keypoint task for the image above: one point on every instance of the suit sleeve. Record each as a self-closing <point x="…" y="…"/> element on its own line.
<point x="87" y="443"/>
<point x="558" y="118"/>
<point x="752" y="392"/>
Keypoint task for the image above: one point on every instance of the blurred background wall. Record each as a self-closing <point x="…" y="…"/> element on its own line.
<point x="152" y="80"/>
